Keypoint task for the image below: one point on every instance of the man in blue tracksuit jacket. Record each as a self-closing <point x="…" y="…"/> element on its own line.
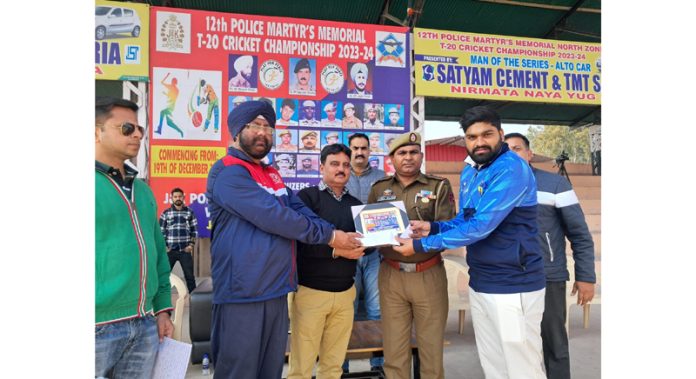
<point x="497" y="223"/>
<point x="559" y="216"/>
<point x="256" y="221"/>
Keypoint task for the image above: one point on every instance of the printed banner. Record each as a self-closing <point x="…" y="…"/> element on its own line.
<point x="325" y="80"/>
<point x="492" y="67"/>
<point x="121" y="32"/>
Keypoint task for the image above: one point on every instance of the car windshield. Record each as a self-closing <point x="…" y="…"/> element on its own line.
<point x="101" y="11"/>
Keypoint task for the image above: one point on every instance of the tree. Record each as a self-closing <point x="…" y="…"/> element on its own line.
<point x="551" y="140"/>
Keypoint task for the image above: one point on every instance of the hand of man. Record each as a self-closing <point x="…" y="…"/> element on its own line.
<point x="585" y="292"/>
<point x="188" y="249"/>
<point x="350" y="254"/>
<point x="420" y="229"/>
<point x="346" y="241"/>
<point x="406" y="248"/>
<point x="165" y="328"/>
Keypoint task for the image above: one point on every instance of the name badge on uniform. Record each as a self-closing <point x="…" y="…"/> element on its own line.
<point x="387" y="195"/>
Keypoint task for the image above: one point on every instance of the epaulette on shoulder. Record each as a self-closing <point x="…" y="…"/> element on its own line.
<point x="435" y="177"/>
<point x="386" y="177"/>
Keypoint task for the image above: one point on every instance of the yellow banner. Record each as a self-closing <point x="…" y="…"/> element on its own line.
<point x="183" y="161"/>
<point x="121" y="32"/>
<point x="492" y="67"/>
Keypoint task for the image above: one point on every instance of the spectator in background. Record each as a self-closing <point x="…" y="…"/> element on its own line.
<point x="362" y="176"/>
<point x="179" y="228"/>
<point x="559" y="216"/>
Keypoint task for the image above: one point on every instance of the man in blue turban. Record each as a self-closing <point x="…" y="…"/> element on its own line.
<point x="256" y="221"/>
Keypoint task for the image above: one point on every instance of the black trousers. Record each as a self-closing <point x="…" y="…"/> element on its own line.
<point x="553" y="332"/>
<point x="186" y="261"/>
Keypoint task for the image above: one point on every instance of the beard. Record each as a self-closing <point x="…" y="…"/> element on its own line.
<point x="249" y="146"/>
<point x="484" y="154"/>
<point x="178" y="203"/>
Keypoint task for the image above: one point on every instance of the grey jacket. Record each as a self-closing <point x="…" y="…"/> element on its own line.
<point x="359" y="186"/>
<point x="560" y="216"/>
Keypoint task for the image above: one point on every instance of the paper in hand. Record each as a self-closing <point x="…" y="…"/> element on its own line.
<point x="172" y="359"/>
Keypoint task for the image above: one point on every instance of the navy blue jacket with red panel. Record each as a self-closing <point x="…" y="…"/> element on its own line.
<point x="255" y="222"/>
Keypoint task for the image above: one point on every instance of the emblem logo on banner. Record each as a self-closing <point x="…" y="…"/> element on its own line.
<point x="271" y="74"/>
<point x="332" y="78"/>
<point x="132" y="54"/>
<point x="428" y="72"/>
<point x="174" y="31"/>
<point x="390" y="49"/>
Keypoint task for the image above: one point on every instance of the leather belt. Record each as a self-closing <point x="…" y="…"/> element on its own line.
<point x="414" y="267"/>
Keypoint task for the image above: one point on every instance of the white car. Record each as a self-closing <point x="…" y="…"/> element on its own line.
<point x="112" y="20"/>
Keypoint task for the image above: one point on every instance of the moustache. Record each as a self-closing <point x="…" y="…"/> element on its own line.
<point x="360" y="156"/>
<point x="482" y="148"/>
<point x="260" y="139"/>
<point x="341" y="175"/>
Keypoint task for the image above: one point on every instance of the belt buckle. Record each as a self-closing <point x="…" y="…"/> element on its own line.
<point x="407" y="267"/>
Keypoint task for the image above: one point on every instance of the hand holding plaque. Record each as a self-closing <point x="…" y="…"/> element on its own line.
<point x="380" y="223"/>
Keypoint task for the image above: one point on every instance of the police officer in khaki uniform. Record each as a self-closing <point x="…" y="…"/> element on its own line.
<point x="413" y="289"/>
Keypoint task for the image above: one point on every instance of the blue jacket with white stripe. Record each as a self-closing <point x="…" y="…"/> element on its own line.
<point x="497" y="222"/>
<point x="255" y="222"/>
<point x="560" y="216"/>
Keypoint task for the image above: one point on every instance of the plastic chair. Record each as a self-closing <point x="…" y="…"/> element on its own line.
<point x="456" y="274"/>
<point x="178" y="319"/>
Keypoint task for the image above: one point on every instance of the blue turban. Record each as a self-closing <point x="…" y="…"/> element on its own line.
<point x="247" y="112"/>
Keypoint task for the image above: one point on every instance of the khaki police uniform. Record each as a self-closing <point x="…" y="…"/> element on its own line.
<point x="414" y="289"/>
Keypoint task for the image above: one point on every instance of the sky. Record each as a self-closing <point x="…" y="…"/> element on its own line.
<point x="442" y="129"/>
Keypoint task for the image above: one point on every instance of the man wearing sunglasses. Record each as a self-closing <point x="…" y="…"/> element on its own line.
<point x="257" y="222"/>
<point x="133" y="297"/>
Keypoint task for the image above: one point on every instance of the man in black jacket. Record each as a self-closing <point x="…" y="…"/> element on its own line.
<point x="559" y="216"/>
<point x="322" y="309"/>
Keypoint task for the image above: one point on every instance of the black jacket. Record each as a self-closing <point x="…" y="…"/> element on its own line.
<point x="560" y="216"/>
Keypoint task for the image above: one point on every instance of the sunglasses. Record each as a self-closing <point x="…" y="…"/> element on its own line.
<point x="128" y="128"/>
